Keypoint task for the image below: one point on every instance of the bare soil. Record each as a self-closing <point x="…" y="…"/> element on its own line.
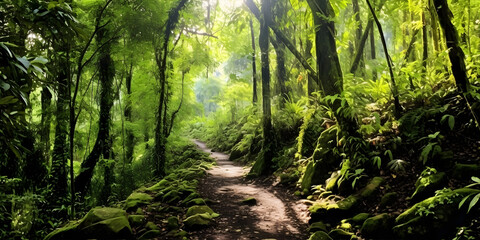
<point x="277" y="214"/>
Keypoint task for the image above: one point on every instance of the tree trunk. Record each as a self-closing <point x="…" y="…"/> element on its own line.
<point x="358" y="34"/>
<point x="46" y="99"/>
<point x="254" y="64"/>
<point x="281" y="72"/>
<point x="263" y="166"/>
<point x="130" y="138"/>
<point x="106" y="74"/>
<point x="60" y="147"/>
<point x="312" y="85"/>
<point x="457" y="57"/>
<point x="425" y="44"/>
<point x="161" y="55"/>
<point x="373" y="54"/>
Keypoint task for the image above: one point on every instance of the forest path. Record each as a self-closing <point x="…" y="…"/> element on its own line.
<point x="276" y="214"/>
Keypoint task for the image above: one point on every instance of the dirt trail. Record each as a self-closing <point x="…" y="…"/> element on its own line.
<point x="276" y="215"/>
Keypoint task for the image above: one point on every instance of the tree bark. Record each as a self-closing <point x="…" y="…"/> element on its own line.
<point x="106" y="74"/>
<point x="373" y="54"/>
<point x="46" y="100"/>
<point x="425" y="43"/>
<point x="358" y="34"/>
<point x="254" y="64"/>
<point x="130" y="138"/>
<point x="456" y="54"/>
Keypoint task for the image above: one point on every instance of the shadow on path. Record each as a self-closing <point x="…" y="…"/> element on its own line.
<point x="275" y="216"/>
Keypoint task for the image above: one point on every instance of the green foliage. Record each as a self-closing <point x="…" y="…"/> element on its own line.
<point x="432" y="149"/>
<point x="475" y="198"/>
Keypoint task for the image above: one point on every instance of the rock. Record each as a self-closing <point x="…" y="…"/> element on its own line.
<point x="250" y="201"/>
<point x="136" y="220"/>
<point x="104" y="223"/>
<point x="137" y="199"/>
<point x="158" y="186"/>
<point x="339" y="234"/>
<point x="388" y="199"/>
<point x="331" y="183"/>
<point x="465" y="171"/>
<point x="200" y="210"/>
<point x="427" y="184"/>
<point x="196" y="201"/>
<point x="333" y="211"/>
<point x="320" y="236"/>
<point x="113" y="228"/>
<point x="317" y="226"/>
<point x="191" y="197"/>
<point x="172" y="223"/>
<point x="150" y="235"/>
<point x="199" y="220"/>
<point x="360" y="218"/>
<point x="379" y="226"/>
<point x="372" y="187"/>
<point x="152" y="226"/>
<point x="433" y="218"/>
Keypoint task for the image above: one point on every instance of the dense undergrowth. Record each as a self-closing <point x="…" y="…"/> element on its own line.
<point x="436" y="133"/>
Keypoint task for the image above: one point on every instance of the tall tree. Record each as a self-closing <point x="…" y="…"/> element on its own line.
<point x="254" y="63"/>
<point x="106" y="69"/>
<point x="456" y="54"/>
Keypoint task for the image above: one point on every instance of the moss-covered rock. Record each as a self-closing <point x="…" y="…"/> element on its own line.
<point x="152" y="226"/>
<point x="317" y="226"/>
<point x="199" y="220"/>
<point x="331" y="183"/>
<point x="137" y="199"/>
<point x="173" y="223"/>
<point x="360" y="218"/>
<point x="104" y="223"/>
<point x="339" y="234"/>
<point x="379" y="226"/>
<point x="320" y="235"/>
<point x="200" y="210"/>
<point x="465" y="171"/>
<point x="388" y="199"/>
<point x="196" y="201"/>
<point x="113" y="228"/>
<point x="334" y="211"/>
<point x="136" y="220"/>
<point x="427" y="184"/>
<point x="150" y="235"/>
<point x="433" y="218"/>
<point x="372" y="187"/>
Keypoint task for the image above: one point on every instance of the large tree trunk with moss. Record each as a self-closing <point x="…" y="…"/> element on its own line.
<point x="456" y="54"/>
<point x="161" y="55"/>
<point x="60" y="147"/>
<point x="263" y="165"/>
<point x="106" y="74"/>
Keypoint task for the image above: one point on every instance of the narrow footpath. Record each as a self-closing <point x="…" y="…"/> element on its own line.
<point x="276" y="214"/>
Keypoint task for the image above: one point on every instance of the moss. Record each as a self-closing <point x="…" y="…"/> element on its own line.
<point x="339" y="234"/>
<point x="200" y="210"/>
<point x="196" y="201"/>
<point x="112" y="228"/>
<point x="360" y="218"/>
<point x="317" y="226"/>
<point x="372" y="187"/>
<point x="151" y="226"/>
<point x="158" y="186"/>
<point x="172" y="223"/>
<point x="198" y="220"/>
<point x="388" y="199"/>
<point x="465" y="171"/>
<point x="136" y="220"/>
<point x="334" y="211"/>
<point x="137" y="199"/>
<point x="150" y="235"/>
<point x="320" y="236"/>
<point x="426" y="185"/>
<point x="331" y="183"/>
<point x="378" y="226"/>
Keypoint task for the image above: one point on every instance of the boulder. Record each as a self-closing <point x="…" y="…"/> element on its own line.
<point x="196" y="201"/>
<point x="136" y="220"/>
<point x="372" y="187"/>
<point x="320" y="236"/>
<point x="172" y="223"/>
<point x="427" y="184"/>
<point x="433" y="218"/>
<point x="339" y="234"/>
<point x="333" y="211"/>
<point x="199" y="220"/>
<point x="379" y="226"/>
<point x="360" y="218"/>
<point x="388" y="199"/>
<point x="103" y="223"/>
<point x="317" y="226"/>
<point x="137" y="199"/>
<point x="200" y="210"/>
<point x="465" y="171"/>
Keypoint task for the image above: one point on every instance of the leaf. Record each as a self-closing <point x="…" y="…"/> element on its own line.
<point x="24" y="62"/>
<point x="5" y="86"/>
<point x="473" y="202"/>
<point x="463" y="201"/>
<point x="40" y="60"/>
<point x="476" y="179"/>
<point x="8" y="100"/>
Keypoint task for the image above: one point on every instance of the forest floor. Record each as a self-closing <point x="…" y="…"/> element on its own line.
<point x="276" y="214"/>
